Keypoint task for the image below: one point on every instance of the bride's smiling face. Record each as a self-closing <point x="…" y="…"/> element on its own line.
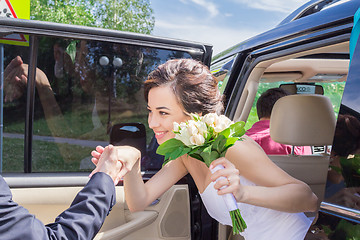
<point x="164" y="110"/>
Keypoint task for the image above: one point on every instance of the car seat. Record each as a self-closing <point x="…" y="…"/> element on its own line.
<point x="304" y="120"/>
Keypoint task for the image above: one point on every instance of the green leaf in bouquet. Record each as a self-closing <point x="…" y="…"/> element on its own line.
<point x="219" y="143"/>
<point x="210" y="134"/>
<point x="175" y="154"/>
<point x="237" y="129"/>
<point x="213" y="156"/>
<point x="225" y="132"/>
<point x="167" y="156"/>
<point x="170" y="145"/>
<point x="205" y="153"/>
<point x="196" y="153"/>
<point x="196" y="156"/>
<point x="179" y="152"/>
<point x="229" y="142"/>
<point x="195" y="149"/>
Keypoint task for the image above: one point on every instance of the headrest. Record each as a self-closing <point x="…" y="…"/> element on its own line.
<point x="303" y="120"/>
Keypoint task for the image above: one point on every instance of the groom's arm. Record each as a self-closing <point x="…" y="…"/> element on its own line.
<point x="82" y="220"/>
<point x="87" y="212"/>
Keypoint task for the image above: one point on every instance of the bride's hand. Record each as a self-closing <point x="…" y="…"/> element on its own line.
<point x="230" y="182"/>
<point x="97" y="154"/>
<point x="126" y="156"/>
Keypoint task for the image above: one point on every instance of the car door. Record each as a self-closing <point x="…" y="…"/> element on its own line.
<point x="340" y="212"/>
<point x="311" y="50"/>
<point x="78" y="84"/>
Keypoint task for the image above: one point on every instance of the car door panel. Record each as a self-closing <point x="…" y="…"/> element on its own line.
<point x="167" y="218"/>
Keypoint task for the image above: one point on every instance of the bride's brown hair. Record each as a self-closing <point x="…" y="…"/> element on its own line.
<point x="192" y="83"/>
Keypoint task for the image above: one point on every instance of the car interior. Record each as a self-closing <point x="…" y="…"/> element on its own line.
<point x="296" y="68"/>
<point x="166" y="218"/>
<point x="304" y="74"/>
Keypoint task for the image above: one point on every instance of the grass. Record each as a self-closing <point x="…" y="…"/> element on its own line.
<point x="55" y="157"/>
<point x="46" y="156"/>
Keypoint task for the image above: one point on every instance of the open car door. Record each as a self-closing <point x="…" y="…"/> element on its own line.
<point x="81" y="84"/>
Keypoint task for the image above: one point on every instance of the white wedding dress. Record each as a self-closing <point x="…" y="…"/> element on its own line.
<point x="262" y="223"/>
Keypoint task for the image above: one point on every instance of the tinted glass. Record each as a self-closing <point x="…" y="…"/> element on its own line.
<point x="83" y="87"/>
<point x="345" y="155"/>
<point x="14" y="107"/>
<point x="221" y="70"/>
<point x="343" y="182"/>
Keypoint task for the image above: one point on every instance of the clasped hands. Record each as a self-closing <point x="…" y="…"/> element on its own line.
<point x="116" y="161"/>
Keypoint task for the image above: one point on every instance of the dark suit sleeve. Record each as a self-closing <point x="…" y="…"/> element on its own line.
<point x="82" y="220"/>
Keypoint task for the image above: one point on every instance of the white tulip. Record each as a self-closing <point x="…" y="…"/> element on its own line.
<point x="197" y="139"/>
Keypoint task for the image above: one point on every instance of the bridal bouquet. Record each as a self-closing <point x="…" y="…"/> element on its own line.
<point x="206" y="138"/>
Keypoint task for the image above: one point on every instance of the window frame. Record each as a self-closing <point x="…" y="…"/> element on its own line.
<point x="38" y="29"/>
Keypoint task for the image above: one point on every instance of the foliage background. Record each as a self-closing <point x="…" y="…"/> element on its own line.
<point x="126" y="15"/>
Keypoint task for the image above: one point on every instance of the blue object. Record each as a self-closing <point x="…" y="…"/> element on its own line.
<point x="355" y="33"/>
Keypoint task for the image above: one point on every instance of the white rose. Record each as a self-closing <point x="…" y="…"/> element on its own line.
<point x="184" y="136"/>
<point x="210" y="119"/>
<point x="197" y="139"/>
<point x="222" y="123"/>
<point x="225" y="120"/>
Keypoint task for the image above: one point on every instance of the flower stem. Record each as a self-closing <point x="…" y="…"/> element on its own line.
<point x="238" y="222"/>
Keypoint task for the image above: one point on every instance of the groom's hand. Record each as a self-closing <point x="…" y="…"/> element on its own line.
<point x="114" y="160"/>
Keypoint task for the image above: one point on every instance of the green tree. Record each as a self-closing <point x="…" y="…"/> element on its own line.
<point x="63" y="11"/>
<point x="126" y="15"/>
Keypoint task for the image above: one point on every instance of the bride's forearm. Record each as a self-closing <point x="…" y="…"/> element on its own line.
<point x="295" y="197"/>
<point x="135" y="191"/>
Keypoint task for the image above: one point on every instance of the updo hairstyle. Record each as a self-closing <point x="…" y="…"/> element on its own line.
<point x="192" y="83"/>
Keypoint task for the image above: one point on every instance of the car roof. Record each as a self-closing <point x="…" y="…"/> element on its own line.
<point x="12" y="25"/>
<point x="296" y="24"/>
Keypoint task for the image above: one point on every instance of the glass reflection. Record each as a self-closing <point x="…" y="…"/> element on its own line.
<point x="82" y="89"/>
<point x="14" y="92"/>
<point x="343" y="185"/>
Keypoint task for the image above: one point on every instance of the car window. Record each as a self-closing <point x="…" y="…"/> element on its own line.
<point x="221" y="70"/>
<point x="345" y="154"/>
<point x="332" y="84"/>
<point x="83" y="87"/>
<point x="13" y="116"/>
<point x="343" y="180"/>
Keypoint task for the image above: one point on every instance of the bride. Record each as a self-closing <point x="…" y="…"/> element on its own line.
<point x="270" y="201"/>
